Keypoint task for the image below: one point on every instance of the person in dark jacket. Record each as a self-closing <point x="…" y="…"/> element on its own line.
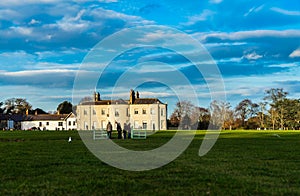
<point x="119" y="130"/>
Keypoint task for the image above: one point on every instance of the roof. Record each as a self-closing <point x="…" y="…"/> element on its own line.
<point x="105" y="102"/>
<point x="46" y="117"/>
<point x="41" y="117"/>
<point x="50" y="117"/>
<point x="121" y="101"/>
<point x="146" y="101"/>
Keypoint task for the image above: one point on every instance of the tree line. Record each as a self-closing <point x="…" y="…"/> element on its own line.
<point x="22" y="106"/>
<point x="275" y="111"/>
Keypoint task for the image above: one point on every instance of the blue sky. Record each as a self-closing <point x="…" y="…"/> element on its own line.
<point x="255" y="44"/>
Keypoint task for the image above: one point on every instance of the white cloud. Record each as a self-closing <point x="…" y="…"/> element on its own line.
<point x="32" y="73"/>
<point x="70" y="24"/>
<point x="10" y="14"/>
<point x="286" y="12"/>
<point x="101" y="13"/>
<point x="252" y="56"/>
<point x="108" y="1"/>
<point x="295" y="53"/>
<point x="240" y="35"/>
<point x="33" y="22"/>
<point x="5" y="3"/>
<point x="229" y="60"/>
<point x="284" y="65"/>
<point x="205" y="15"/>
<point x="101" y="1"/>
<point x="215" y="1"/>
<point x="22" y="30"/>
<point x="225" y="44"/>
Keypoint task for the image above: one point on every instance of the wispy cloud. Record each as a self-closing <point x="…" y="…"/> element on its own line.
<point x="254" y="10"/>
<point x="286" y="12"/>
<point x="205" y="15"/>
<point x="242" y="35"/>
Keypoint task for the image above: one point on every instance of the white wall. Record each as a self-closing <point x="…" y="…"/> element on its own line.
<point x="91" y="117"/>
<point x="45" y="125"/>
<point x="50" y="125"/>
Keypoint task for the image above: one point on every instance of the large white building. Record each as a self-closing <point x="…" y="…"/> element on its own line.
<point x="139" y="113"/>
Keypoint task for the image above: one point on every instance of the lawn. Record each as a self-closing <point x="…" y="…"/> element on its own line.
<point x="240" y="163"/>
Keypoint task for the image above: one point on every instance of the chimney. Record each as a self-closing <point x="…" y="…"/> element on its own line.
<point x="132" y="97"/>
<point x="58" y="112"/>
<point x="35" y="113"/>
<point x="96" y="96"/>
<point x="27" y="112"/>
<point x="137" y="94"/>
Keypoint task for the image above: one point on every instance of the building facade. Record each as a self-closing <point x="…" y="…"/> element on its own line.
<point x="139" y="113"/>
<point x="50" y="122"/>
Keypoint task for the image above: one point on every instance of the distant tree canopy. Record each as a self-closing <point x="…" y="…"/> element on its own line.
<point x="245" y="110"/>
<point x="65" y="107"/>
<point x="188" y="116"/>
<point x="15" y="106"/>
<point x="275" y="111"/>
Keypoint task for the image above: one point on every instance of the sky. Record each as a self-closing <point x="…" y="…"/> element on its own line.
<point x="46" y="45"/>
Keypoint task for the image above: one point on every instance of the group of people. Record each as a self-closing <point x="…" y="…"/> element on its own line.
<point x="122" y="134"/>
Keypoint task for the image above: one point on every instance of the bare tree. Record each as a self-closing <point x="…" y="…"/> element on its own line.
<point x="220" y="113"/>
<point x="16" y="106"/>
<point x="182" y="114"/>
<point x="261" y="113"/>
<point x="276" y="98"/>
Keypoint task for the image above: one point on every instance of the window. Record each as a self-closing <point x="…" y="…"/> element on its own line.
<point x="60" y="124"/>
<point x="127" y="112"/>
<point x="85" y="112"/>
<point x="103" y="112"/>
<point x="94" y="125"/>
<point x="47" y="123"/>
<point x="161" y="111"/>
<point x="145" y="125"/>
<point x="73" y="123"/>
<point x="94" y="112"/>
<point x="136" y="111"/>
<point x="86" y="127"/>
<point x="144" y="111"/>
<point x="40" y="124"/>
<point x="153" y="125"/>
<point x="136" y="124"/>
<point x="117" y="113"/>
<point x="70" y="123"/>
<point x="152" y="111"/>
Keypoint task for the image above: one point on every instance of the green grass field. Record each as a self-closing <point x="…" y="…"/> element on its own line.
<point x="240" y="163"/>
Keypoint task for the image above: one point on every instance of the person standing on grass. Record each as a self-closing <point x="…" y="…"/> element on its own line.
<point x="129" y="131"/>
<point x="125" y="129"/>
<point x="109" y="130"/>
<point x="119" y="130"/>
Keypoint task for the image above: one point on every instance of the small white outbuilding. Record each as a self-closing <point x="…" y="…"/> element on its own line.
<point x="49" y="122"/>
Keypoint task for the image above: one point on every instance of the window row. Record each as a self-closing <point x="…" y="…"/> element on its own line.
<point x="60" y="124"/>
<point x="136" y="111"/>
